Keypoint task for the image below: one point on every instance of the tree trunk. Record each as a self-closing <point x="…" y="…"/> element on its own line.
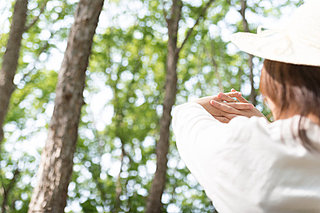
<point x="7" y="190"/>
<point x="154" y="199"/>
<point x="117" y="206"/>
<point x="154" y="204"/>
<point x="55" y="170"/>
<point x="245" y="25"/>
<point x="10" y="58"/>
<point x="253" y="94"/>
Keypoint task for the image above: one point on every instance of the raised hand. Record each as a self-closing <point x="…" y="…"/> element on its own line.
<point x="227" y="109"/>
<point x="232" y="109"/>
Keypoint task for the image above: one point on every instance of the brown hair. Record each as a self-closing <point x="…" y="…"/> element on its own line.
<point x="293" y="88"/>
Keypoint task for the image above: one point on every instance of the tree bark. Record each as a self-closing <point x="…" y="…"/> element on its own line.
<point x="245" y="25"/>
<point x="10" y="58"/>
<point x="55" y="170"/>
<point x="154" y="199"/>
<point x="253" y="94"/>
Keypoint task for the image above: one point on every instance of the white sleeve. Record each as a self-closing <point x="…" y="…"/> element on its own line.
<point x="190" y="122"/>
<point x="200" y="137"/>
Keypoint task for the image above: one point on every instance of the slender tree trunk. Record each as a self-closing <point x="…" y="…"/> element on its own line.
<point x="154" y="199"/>
<point x="7" y="190"/>
<point x="245" y="25"/>
<point x="117" y="207"/>
<point x="119" y="116"/>
<point x="154" y="204"/>
<point x="36" y="18"/>
<point x="215" y="65"/>
<point x="253" y="94"/>
<point x="10" y="58"/>
<point x="55" y="170"/>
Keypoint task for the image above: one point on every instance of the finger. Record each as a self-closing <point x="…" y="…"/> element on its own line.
<point x="233" y="94"/>
<point x="241" y="106"/>
<point x="242" y="99"/>
<point x="213" y="110"/>
<point x="222" y="119"/>
<point x="216" y="98"/>
<point x="225" y="97"/>
<point x="224" y="107"/>
<point x="230" y="116"/>
<point x="238" y="96"/>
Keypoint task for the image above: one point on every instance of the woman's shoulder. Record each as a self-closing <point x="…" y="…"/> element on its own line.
<point x="278" y="137"/>
<point x="245" y="128"/>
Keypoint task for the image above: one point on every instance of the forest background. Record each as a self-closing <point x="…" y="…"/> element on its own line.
<point x="146" y="56"/>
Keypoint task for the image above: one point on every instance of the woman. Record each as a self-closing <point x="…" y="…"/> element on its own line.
<point x="244" y="163"/>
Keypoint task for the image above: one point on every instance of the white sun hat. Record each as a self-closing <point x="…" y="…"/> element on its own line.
<point x="297" y="43"/>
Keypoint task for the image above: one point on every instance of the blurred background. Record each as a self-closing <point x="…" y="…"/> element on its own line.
<point x="115" y="159"/>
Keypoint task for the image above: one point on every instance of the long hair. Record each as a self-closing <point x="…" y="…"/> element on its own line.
<point x="293" y="88"/>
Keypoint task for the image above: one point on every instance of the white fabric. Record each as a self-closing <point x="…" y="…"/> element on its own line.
<point x="297" y="42"/>
<point x="249" y="165"/>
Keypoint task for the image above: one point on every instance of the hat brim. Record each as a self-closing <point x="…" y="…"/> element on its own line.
<point x="277" y="46"/>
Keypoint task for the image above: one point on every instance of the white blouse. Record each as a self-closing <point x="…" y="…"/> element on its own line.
<point x="249" y="165"/>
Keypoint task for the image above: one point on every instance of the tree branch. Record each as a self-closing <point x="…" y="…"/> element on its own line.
<point x="201" y="15"/>
<point x="42" y="50"/>
<point x="215" y="65"/>
<point x="245" y="25"/>
<point x="165" y="14"/>
<point x="242" y="11"/>
<point x="7" y="190"/>
<point x="35" y="19"/>
<point x="118" y="183"/>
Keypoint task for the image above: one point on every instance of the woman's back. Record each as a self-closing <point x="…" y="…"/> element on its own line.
<point x="250" y="165"/>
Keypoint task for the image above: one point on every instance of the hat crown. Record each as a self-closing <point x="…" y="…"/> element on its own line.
<point x="305" y="23"/>
<point x="306" y="16"/>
